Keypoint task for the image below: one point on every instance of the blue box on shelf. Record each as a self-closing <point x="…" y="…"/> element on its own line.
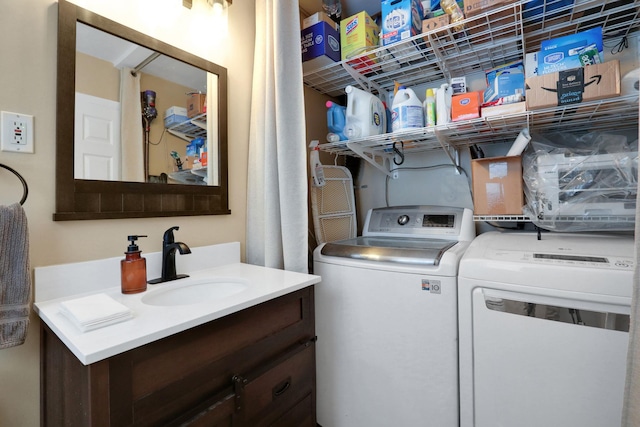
<point x="401" y="19"/>
<point x="320" y="44"/>
<point x="174" y="116"/>
<point x="572" y="51"/>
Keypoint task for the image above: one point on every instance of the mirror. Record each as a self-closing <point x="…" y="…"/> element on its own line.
<point x="153" y="170"/>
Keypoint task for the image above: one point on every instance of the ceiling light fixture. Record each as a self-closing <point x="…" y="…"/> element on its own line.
<point x="217" y="5"/>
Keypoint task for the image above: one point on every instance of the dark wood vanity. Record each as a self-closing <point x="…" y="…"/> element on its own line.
<point x="253" y="368"/>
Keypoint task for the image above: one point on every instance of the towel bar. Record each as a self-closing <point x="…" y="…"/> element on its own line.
<point x="24" y="183"/>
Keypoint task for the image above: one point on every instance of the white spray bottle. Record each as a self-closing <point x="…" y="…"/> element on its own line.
<point x="443" y="104"/>
<point x="314" y="164"/>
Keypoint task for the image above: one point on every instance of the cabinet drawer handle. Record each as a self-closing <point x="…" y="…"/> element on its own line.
<point x="279" y="389"/>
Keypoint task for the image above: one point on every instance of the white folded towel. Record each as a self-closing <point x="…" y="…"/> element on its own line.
<point x="94" y="311"/>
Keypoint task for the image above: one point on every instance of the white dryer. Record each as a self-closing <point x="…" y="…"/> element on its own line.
<point x="386" y="321"/>
<point x="543" y="328"/>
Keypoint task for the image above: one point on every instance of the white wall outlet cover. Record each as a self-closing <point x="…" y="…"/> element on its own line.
<point x="16" y="133"/>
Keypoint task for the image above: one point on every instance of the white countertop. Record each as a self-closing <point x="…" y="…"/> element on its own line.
<point x="150" y="322"/>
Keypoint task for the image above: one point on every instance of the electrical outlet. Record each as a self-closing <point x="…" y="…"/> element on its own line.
<point x="17" y="132"/>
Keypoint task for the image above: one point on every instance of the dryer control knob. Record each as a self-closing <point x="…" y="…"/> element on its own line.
<point x="403" y="219"/>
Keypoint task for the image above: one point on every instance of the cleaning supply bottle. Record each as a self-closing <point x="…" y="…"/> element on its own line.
<point x="365" y="115"/>
<point x="335" y="121"/>
<point x="452" y="9"/>
<point x="429" y="106"/>
<point x="387" y="111"/>
<point x="133" y="269"/>
<point x="443" y="104"/>
<point x="406" y="110"/>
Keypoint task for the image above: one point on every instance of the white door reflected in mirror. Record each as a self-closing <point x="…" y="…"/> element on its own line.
<point x="113" y="142"/>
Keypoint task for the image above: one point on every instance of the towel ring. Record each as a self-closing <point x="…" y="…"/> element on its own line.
<point x="24" y="183"/>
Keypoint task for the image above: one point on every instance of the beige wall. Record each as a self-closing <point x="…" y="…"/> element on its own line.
<point x="97" y="77"/>
<point x="28" y="29"/>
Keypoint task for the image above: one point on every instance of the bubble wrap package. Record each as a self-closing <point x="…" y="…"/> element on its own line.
<point x="581" y="183"/>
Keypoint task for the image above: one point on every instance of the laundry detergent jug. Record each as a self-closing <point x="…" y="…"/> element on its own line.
<point x="406" y="111"/>
<point x="365" y="114"/>
<point x="336" y="117"/>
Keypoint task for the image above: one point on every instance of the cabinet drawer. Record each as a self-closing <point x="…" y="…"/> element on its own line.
<point x="301" y="415"/>
<point x="166" y="378"/>
<point x="273" y="393"/>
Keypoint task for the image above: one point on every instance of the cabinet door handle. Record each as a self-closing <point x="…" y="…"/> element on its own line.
<point x="279" y="389"/>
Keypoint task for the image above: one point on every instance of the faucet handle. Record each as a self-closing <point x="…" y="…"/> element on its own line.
<point x="168" y="235"/>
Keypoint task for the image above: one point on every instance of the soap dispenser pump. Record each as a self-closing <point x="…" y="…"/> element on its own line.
<point x="133" y="269"/>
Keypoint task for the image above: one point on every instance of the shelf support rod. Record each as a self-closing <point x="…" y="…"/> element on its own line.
<point x="364" y="82"/>
<point x="371" y="157"/>
<point x="448" y="148"/>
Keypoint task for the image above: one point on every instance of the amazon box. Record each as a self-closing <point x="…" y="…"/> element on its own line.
<point x="497" y="186"/>
<point x="598" y="81"/>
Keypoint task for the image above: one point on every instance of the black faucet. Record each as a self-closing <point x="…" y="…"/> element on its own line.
<point x="169" y="247"/>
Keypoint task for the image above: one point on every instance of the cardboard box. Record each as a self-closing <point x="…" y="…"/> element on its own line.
<point x="175" y="115"/>
<point x="503" y="110"/>
<point x="320" y="44"/>
<point x="359" y="33"/>
<point x="432" y="25"/>
<point x="476" y="7"/>
<point x="572" y="51"/>
<point x="478" y="29"/>
<point x="466" y="106"/>
<point x="173" y="119"/>
<point x="436" y="23"/>
<point x="497" y="186"/>
<point x="505" y="84"/>
<point x="459" y="85"/>
<point x="401" y="19"/>
<point x="196" y="104"/>
<point x="319" y="17"/>
<point x="574" y="86"/>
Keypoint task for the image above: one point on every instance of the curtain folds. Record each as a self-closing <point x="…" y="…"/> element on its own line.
<point x="277" y="178"/>
<point x="132" y="153"/>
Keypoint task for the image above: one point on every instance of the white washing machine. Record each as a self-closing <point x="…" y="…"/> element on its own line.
<point x="386" y="320"/>
<point x="544" y="329"/>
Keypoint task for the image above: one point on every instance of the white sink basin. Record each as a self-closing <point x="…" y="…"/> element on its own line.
<point x="199" y="291"/>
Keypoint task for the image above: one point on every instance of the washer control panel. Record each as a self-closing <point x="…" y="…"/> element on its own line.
<point x="419" y="221"/>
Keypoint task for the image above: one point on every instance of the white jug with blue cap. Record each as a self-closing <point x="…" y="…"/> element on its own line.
<point x="406" y="111"/>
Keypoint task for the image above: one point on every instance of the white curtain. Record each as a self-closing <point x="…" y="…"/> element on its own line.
<point x="631" y="408"/>
<point x="132" y="153"/>
<point x="277" y="178"/>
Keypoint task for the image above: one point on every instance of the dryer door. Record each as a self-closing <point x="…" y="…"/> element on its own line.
<point x="533" y="366"/>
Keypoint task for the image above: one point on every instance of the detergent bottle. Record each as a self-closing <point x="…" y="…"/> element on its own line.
<point x="336" y="115"/>
<point x="451" y="8"/>
<point x="443" y="104"/>
<point x="429" y="106"/>
<point x="365" y="114"/>
<point x="406" y="112"/>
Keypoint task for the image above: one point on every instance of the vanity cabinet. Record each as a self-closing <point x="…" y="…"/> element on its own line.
<point x="253" y="368"/>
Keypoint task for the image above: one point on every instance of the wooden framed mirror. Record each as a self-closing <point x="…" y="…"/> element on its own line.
<point x="79" y="197"/>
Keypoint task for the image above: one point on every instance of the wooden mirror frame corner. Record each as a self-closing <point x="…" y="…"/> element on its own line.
<point x="78" y="199"/>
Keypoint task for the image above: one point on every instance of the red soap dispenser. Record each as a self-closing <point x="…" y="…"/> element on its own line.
<point x="133" y="269"/>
